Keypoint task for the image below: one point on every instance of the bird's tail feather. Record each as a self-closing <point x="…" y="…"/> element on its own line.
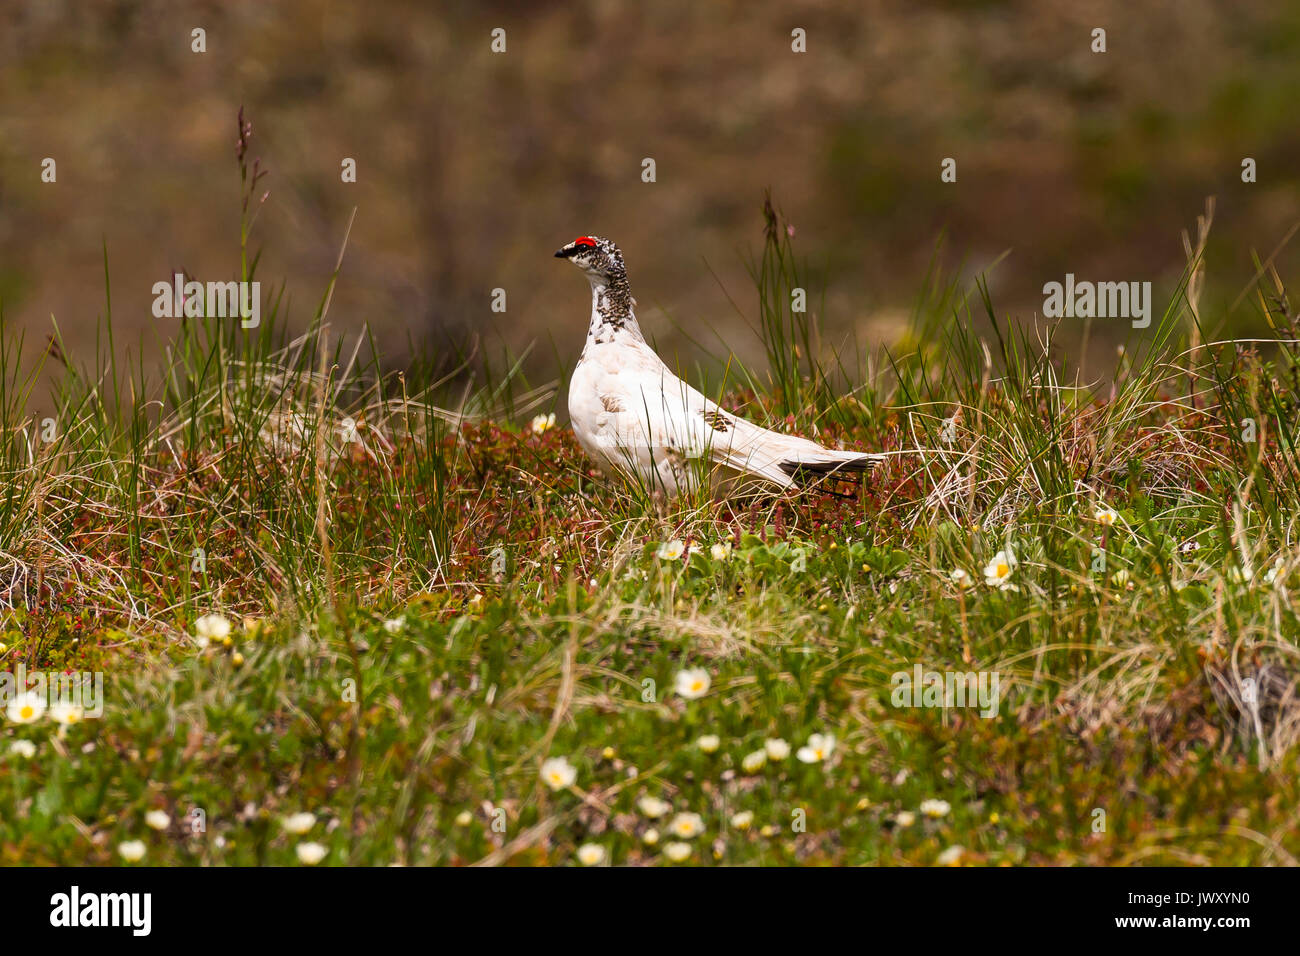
<point x="833" y="464"/>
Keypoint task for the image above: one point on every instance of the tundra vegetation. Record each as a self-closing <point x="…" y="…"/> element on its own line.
<point x="351" y="614"/>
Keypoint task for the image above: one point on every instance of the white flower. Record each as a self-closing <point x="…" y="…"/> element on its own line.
<point x="157" y="820"/>
<point x="935" y="808"/>
<point x="709" y="743"/>
<point x="25" y="708"/>
<point x="211" y="627"/>
<point x="951" y="856"/>
<point x="1271" y="575"/>
<point x="905" y="818"/>
<point x="777" y="749"/>
<point x="132" y="850"/>
<point x="962" y="579"/>
<point x="754" y="762"/>
<point x="653" y="807"/>
<point x="1238" y="575"/>
<point x="687" y="825"/>
<point x="720" y="551"/>
<point x="650" y="837"/>
<point x="1187" y="547"/>
<point x="394" y="624"/>
<point x="310" y="853"/>
<point x="692" y="684"/>
<point x="1122" y="579"/>
<point x="543" y="423"/>
<point x="999" y="570"/>
<point x="559" y="773"/>
<point x="298" y="823"/>
<point x="66" y="713"/>
<point x="464" y="818"/>
<point x="818" y="749"/>
<point x="591" y="854"/>
<point x="671" y="550"/>
<point x="677" y="851"/>
<point x="743" y="820"/>
<point x="23" y="748"/>
<point x="1106" y="515"/>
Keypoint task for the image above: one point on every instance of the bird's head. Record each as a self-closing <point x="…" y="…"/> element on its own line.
<point x="599" y="258"/>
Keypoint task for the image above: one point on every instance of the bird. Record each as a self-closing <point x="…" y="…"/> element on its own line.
<point x="637" y="419"/>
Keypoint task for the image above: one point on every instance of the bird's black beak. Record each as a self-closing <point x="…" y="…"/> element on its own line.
<point x="565" y="252"/>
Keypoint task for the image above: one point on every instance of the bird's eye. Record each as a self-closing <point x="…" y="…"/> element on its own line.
<point x="585" y="241"/>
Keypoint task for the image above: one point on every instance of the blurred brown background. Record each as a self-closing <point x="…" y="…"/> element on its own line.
<point x="473" y="166"/>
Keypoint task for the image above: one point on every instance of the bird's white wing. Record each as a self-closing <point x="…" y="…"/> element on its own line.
<point x="649" y="416"/>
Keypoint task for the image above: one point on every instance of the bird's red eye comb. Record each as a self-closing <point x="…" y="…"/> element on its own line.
<point x="584" y="241"/>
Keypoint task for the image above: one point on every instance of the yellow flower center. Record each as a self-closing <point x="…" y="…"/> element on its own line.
<point x="1003" y="570"/>
<point x="27" y="712"/>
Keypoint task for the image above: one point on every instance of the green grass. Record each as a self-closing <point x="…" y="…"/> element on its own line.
<point x="430" y="601"/>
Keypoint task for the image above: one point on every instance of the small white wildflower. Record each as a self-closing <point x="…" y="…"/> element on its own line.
<point x="777" y="749"/>
<point x="298" y="823"/>
<point x="962" y="579"/>
<point x="1272" y="574"/>
<point x="25" y="708"/>
<point x="394" y="624"/>
<point x="687" y="825"/>
<point x="650" y="837"/>
<point x="23" y="748"/>
<point x="591" y="854"/>
<point x="935" y="808"/>
<point x="211" y="627"/>
<point x="818" y="749"/>
<point x="66" y="713"/>
<point x="905" y="818"/>
<point x="951" y="856"/>
<point x="693" y="683"/>
<point x="671" y="550"/>
<point x="754" y="762"/>
<point x="559" y="773"/>
<point x="720" y="550"/>
<point x="999" y="570"/>
<point x="543" y="423"/>
<point x="132" y="850"/>
<point x="709" y="743"/>
<point x="157" y="820"/>
<point x="310" y="853"/>
<point x="653" y="807"/>
<point x="1105" y="515"/>
<point x="676" y="851"/>
<point x="743" y="820"/>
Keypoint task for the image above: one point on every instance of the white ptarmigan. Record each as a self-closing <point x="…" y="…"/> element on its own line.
<point x="636" y="418"/>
